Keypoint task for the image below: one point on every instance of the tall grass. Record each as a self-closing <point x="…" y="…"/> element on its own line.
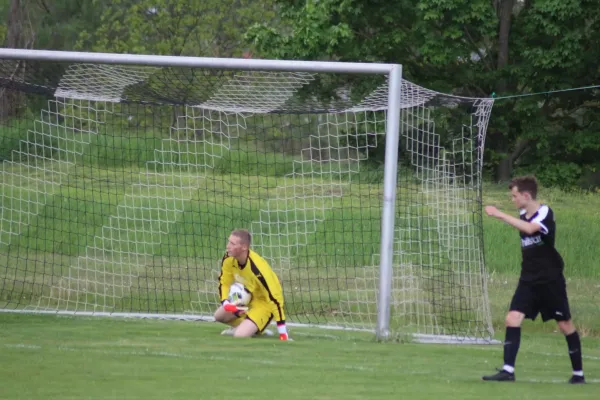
<point x="577" y="223"/>
<point x="11" y="136"/>
<point x="73" y="216"/>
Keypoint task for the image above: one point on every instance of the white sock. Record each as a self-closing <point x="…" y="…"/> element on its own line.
<point x="282" y="329"/>
<point x="509" y="369"/>
<point x="578" y="373"/>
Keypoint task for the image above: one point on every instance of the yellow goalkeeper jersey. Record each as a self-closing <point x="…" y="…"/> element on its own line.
<point x="258" y="277"/>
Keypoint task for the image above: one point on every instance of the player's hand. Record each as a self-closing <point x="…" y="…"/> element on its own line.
<point x="492" y="211"/>
<point x="233" y="308"/>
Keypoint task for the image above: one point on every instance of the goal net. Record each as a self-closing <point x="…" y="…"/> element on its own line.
<point x="119" y="185"/>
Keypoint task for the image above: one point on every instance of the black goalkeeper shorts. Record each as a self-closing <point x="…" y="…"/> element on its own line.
<point x="548" y="298"/>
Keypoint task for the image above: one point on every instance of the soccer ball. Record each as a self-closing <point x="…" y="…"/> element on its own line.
<point x="239" y="295"/>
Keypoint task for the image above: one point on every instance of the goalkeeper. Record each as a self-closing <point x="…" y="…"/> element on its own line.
<point x="240" y="264"/>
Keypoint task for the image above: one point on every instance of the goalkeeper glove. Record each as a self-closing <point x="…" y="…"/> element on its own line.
<point x="283" y="334"/>
<point x="233" y="308"/>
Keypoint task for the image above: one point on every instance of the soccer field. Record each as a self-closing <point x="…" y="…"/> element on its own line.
<point x="125" y="207"/>
<point x="58" y="357"/>
<point x="55" y="357"/>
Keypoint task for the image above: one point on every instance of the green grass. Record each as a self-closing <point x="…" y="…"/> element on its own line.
<point x="128" y="240"/>
<point x="138" y="223"/>
<point x="578" y="227"/>
<point x="53" y="357"/>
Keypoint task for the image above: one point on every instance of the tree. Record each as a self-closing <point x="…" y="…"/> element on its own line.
<point x="19" y="34"/>
<point x="40" y="24"/>
<point x="175" y="27"/>
<point x="472" y="48"/>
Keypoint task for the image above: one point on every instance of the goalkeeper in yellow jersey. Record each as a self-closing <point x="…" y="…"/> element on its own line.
<point x="240" y="264"/>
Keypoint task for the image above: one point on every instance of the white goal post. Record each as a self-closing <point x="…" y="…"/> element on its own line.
<point x="297" y="138"/>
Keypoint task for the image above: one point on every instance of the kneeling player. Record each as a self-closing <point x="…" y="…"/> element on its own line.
<point x="240" y="264"/>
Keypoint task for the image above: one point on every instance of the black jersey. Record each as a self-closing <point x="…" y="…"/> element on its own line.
<point x="541" y="260"/>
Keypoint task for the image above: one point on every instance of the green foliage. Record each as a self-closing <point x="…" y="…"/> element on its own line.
<point x="448" y="45"/>
<point x="578" y="224"/>
<point x="57" y="24"/>
<point x="174" y="27"/>
<point x="11" y="136"/>
<point x="454" y="46"/>
<point x="61" y="21"/>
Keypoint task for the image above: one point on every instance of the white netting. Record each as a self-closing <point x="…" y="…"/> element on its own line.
<point x="106" y="271"/>
<point x="299" y="220"/>
<point x="320" y="182"/>
<point x="438" y="250"/>
<point x="44" y="159"/>
<point x="102" y="83"/>
<point x="257" y="92"/>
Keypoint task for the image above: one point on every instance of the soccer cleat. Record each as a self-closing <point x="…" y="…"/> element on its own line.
<point x="576" y="379"/>
<point x="228" y="332"/>
<point x="500" y="376"/>
<point x="265" y="333"/>
<point x="282" y="329"/>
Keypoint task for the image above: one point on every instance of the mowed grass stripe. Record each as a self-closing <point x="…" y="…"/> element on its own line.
<point x="121" y="250"/>
<point x="577" y="224"/>
<point x="74" y="213"/>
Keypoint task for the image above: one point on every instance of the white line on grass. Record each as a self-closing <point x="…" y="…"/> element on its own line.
<point x="539" y="353"/>
<point x="584" y="356"/>
<point x="316" y="335"/>
<point x="23" y="346"/>
<point x="138" y="353"/>
<point x="560" y="381"/>
<point x="149" y="353"/>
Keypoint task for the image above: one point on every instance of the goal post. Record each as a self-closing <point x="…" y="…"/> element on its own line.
<point x="392" y="139"/>
<point x="121" y="176"/>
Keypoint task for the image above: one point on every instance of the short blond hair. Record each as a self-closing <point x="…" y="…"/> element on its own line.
<point x="244" y="235"/>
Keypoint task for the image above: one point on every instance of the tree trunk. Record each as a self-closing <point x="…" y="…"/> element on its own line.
<point x="19" y="35"/>
<point x="505" y="168"/>
<point x="504" y="171"/>
<point x="504" y="10"/>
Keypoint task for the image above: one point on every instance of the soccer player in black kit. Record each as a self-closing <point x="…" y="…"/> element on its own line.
<point x="542" y="285"/>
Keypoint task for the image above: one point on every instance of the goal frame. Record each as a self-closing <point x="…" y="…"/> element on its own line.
<point x="393" y="73"/>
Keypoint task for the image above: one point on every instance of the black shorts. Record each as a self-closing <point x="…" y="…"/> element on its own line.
<point x="549" y="298"/>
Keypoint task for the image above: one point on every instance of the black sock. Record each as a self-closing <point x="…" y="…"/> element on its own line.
<point x="511" y="346"/>
<point x="575" y="351"/>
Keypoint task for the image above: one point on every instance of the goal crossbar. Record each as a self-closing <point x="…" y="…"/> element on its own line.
<point x="197" y="62"/>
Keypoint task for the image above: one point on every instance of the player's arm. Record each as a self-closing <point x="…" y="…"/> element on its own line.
<point x="524" y="226"/>
<point x="225" y="279"/>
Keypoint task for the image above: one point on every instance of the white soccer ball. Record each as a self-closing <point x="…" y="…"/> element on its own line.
<point x="238" y="294"/>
